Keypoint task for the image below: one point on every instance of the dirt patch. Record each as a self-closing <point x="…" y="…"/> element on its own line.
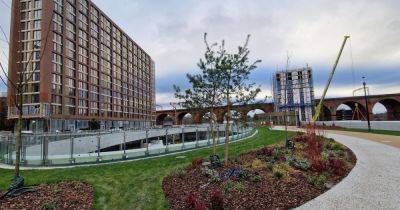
<point x="65" y="195"/>
<point x="269" y="178"/>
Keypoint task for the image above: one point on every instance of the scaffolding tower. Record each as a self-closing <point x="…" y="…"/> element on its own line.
<point x="294" y="91"/>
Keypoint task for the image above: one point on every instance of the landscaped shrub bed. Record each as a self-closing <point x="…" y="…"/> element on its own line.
<point x="270" y="177"/>
<point x="65" y="195"/>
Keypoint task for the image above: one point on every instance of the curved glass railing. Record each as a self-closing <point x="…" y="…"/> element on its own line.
<point x="89" y="148"/>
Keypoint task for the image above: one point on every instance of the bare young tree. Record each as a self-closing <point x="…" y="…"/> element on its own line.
<point x="204" y="93"/>
<point x="25" y="75"/>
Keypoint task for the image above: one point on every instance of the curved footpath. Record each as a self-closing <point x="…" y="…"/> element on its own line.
<point x="374" y="183"/>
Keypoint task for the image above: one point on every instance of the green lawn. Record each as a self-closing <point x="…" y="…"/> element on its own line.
<point x="385" y="132"/>
<point x="137" y="184"/>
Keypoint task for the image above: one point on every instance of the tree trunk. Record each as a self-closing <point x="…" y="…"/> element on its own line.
<point x="227" y="131"/>
<point x="18" y="140"/>
<point x="214" y="143"/>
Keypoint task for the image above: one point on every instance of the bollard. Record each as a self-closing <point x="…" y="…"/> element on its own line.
<point x="183" y="138"/>
<point x="98" y="159"/>
<point x="124" y="156"/>
<point x="218" y="134"/>
<point x="166" y="140"/>
<point x="208" y="137"/>
<point x="147" y="143"/>
<point x="9" y="151"/>
<point x="238" y="132"/>
<point x="197" y="137"/>
<point x="46" y="160"/>
<point x="71" y="155"/>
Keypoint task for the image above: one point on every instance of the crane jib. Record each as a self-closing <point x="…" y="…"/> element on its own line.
<point x="319" y="107"/>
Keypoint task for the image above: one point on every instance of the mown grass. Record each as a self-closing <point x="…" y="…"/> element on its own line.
<point x="385" y="132"/>
<point x="137" y="184"/>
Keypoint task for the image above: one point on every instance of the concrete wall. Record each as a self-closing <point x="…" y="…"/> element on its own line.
<point x="375" y="125"/>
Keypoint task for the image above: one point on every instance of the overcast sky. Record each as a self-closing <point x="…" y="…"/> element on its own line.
<point x="171" y="32"/>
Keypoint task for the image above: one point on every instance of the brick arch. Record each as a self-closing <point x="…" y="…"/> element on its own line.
<point x="352" y="105"/>
<point x="180" y="116"/>
<point x="161" y="117"/>
<point x="221" y="114"/>
<point x="326" y="114"/>
<point x="392" y="106"/>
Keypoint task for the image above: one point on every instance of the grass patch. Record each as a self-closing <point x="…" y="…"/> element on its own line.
<point x="137" y="184"/>
<point x="384" y="132"/>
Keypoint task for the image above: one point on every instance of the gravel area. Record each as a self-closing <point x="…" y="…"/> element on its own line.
<point x="374" y="183"/>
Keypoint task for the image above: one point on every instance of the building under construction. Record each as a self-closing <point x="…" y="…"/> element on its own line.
<point x="294" y="91"/>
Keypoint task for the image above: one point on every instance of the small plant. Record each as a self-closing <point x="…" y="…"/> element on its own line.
<point x="318" y="181"/>
<point x="244" y="175"/>
<point x="76" y="186"/>
<point x="278" y="174"/>
<point x="278" y="155"/>
<point x="228" y="187"/>
<point x="270" y="166"/>
<point x="180" y="173"/>
<point x="217" y="199"/>
<point x="49" y="206"/>
<point x="336" y="146"/>
<point x="299" y="163"/>
<point x="280" y="170"/>
<point x="257" y="164"/>
<point x="255" y="178"/>
<point x="336" y="166"/>
<point x="56" y="189"/>
<point x="339" y="153"/>
<point x="239" y="187"/>
<point x="212" y="174"/>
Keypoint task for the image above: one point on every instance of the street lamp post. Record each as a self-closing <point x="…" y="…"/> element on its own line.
<point x="366" y="105"/>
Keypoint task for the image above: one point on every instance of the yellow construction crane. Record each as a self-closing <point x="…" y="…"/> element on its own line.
<point x="321" y="101"/>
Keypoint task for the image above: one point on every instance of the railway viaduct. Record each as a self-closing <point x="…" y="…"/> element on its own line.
<point x="329" y="110"/>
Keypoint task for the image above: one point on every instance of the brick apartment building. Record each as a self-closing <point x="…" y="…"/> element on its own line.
<point x="90" y="68"/>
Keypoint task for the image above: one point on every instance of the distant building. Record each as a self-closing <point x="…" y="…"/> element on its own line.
<point x="294" y="91"/>
<point x="90" y="69"/>
<point x="5" y="124"/>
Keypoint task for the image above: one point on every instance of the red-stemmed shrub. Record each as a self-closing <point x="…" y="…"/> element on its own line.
<point x="281" y="158"/>
<point x="300" y="138"/>
<point x="191" y="200"/>
<point x="217" y="199"/>
<point x="196" y="163"/>
<point x="314" y="147"/>
<point x="336" y="166"/>
<point x="200" y="206"/>
<point x="193" y="203"/>
<point x="267" y="151"/>
<point x="319" y="165"/>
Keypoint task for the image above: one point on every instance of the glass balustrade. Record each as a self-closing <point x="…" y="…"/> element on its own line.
<point x="62" y="149"/>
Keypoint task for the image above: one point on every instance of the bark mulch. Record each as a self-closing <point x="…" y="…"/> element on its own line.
<point x="266" y="192"/>
<point x="65" y="195"/>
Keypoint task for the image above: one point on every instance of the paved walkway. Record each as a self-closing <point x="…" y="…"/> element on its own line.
<point x="374" y="183"/>
<point x="384" y="139"/>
